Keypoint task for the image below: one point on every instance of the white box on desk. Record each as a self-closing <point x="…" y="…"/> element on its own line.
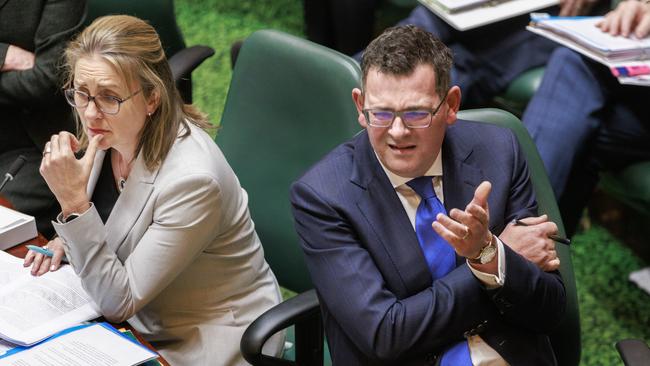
<point x="15" y="228"/>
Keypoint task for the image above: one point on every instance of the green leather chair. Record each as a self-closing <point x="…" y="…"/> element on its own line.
<point x="566" y="338"/>
<point x="289" y="103"/>
<point x="160" y="14"/>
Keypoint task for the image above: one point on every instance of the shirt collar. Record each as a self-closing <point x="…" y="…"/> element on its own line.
<point x="434" y="170"/>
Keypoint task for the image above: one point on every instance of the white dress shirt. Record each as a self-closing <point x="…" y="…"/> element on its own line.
<point x="481" y="352"/>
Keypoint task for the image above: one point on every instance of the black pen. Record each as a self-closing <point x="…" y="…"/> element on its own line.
<point x="554" y="237"/>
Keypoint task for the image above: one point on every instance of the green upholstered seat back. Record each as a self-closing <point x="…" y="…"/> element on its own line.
<point x="159" y="13"/>
<point x="566" y="339"/>
<point x="519" y="92"/>
<point x="289" y="103"/>
<point x="630" y="185"/>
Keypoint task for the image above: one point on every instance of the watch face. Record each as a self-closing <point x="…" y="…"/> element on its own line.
<point x="488" y="254"/>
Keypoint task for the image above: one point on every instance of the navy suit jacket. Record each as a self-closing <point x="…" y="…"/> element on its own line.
<point x="379" y="302"/>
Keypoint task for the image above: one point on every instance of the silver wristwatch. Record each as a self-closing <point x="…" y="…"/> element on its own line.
<point x="487" y="254"/>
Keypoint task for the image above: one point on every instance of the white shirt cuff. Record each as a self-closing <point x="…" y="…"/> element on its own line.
<point x="489" y="280"/>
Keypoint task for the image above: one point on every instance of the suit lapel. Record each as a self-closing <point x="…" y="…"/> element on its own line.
<point x="385" y="214"/>
<point x="130" y="204"/>
<point x="460" y="177"/>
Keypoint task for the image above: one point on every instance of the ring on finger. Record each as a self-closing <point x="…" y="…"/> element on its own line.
<point x="466" y="233"/>
<point x="47" y="149"/>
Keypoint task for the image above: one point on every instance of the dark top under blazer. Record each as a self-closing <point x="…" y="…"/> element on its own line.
<point x="378" y="299"/>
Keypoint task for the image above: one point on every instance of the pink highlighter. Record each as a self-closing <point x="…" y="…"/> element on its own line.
<point x="629" y="71"/>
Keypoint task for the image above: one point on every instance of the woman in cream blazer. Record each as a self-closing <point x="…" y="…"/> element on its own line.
<point x="177" y="254"/>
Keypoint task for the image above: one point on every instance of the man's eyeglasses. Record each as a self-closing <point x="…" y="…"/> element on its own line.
<point x="106" y="103"/>
<point x="420" y="118"/>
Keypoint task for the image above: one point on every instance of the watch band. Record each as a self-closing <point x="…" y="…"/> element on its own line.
<point x="71" y="216"/>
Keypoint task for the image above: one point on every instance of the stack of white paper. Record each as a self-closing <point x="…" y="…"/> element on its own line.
<point x="15" y="228"/>
<point x="582" y="34"/>
<point x="93" y="344"/>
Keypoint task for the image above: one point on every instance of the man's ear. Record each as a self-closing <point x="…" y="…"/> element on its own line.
<point x="453" y="104"/>
<point x="357" y="97"/>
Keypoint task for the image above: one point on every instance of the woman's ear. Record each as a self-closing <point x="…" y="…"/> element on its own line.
<point x="153" y="101"/>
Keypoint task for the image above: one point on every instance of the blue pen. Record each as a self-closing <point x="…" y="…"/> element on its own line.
<point x="45" y="252"/>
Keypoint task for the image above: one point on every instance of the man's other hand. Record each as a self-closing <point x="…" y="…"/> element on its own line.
<point x="532" y="241"/>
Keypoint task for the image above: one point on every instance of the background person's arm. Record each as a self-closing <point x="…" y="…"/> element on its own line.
<point x="17" y="59"/>
<point x="38" y="84"/>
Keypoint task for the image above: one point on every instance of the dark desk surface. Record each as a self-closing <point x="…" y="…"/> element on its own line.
<point x="20" y="251"/>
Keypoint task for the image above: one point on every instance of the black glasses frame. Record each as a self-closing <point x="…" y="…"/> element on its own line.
<point x="70" y="92"/>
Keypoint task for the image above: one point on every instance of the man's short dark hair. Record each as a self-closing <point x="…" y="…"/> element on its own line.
<point x="399" y="50"/>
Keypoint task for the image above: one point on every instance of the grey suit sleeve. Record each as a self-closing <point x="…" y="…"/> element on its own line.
<point x="60" y="21"/>
<point x="183" y="224"/>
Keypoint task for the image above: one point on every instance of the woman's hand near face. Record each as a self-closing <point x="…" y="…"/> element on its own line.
<point x="628" y="17"/>
<point x="66" y="175"/>
<point x="41" y="263"/>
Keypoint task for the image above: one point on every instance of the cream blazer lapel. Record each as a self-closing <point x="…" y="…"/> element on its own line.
<point x="129" y="204"/>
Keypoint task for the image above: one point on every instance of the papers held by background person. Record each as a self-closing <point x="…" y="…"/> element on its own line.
<point x="15" y="228"/>
<point x="582" y="35"/>
<point x="469" y="14"/>
<point x="89" y="344"/>
<point x="33" y="308"/>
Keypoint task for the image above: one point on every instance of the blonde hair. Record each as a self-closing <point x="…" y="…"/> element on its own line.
<point x="134" y="50"/>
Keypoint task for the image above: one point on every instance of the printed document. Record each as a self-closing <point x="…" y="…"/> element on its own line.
<point x="96" y="344"/>
<point x="33" y="308"/>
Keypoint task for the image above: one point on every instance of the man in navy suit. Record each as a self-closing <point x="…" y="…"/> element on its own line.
<point x="356" y="215"/>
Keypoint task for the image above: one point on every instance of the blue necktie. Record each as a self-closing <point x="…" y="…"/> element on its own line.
<point x="439" y="255"/>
